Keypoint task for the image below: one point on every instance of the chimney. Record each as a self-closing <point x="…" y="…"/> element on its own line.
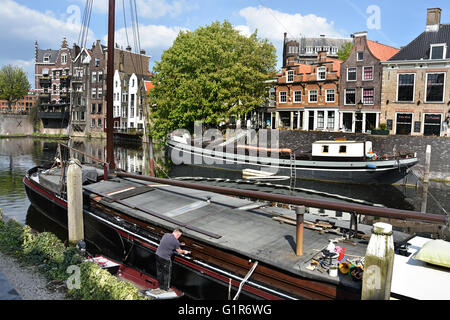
<point x="36" y="49"/>
<point x="322" y="56"/>
<point x="433" y="19"/>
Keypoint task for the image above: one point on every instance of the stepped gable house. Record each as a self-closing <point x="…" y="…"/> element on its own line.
<point x="307" y="95"/>
<point x="416" y="98"/>
<point x="361" y="84"/>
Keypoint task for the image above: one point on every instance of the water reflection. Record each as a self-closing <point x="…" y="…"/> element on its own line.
<point x="18" y="155"/>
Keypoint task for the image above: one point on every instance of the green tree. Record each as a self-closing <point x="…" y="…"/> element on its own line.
<point x="13" y="84"/>
<point x="345" y="51"/>
<point x="209" y="74"/>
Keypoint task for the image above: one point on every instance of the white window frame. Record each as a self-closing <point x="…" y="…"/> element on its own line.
<point x="357" y="56"/>
<point x="412" y="121"/>
<point x="356" y="73"/>
<point x="362" y="73"/>
<point x="288" y="74"/>
<point x="279" y="98"/>
<point x="64" y="58"/>
<point x="345" y="97"/>
<point x="47" y="58"/>
<point x="444" y="53"/>
<point x="295" y="96"/>
<point x="326" y="95"/>
<point x="423" y="121"/>
<point x="319" y="71"/>
<point x="426" y="87"/>
<point x="309" y="96"/>
<point x="414" y="87"/>
<point x="362" y="96"/>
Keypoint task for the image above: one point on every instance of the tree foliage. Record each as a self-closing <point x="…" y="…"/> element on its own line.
<point x="345" y="51"/>
<point x="13" y="84"/>
<point x="209" y="74"/>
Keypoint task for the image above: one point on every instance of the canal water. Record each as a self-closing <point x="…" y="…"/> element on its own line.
<point x="17" y="155"/>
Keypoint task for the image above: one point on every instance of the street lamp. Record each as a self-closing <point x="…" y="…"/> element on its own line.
<point x="359" y="106"/>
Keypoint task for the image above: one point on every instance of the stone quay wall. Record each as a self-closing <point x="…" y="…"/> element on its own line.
<point x="13" y="124"/>
<point x="300" y="141"/>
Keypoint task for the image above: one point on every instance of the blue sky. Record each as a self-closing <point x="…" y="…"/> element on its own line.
<point x="394" y="22"/>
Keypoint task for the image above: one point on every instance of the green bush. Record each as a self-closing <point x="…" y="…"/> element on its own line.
<point x="48" y="252"/>
<point x="99" y="284"/>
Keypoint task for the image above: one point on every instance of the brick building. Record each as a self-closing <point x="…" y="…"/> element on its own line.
<point x="416" y="99"/>
<point x="361" y="84"/>
<point x="307" y="95"/>
<point x="52" y="85"/>
<point x="22" y="106"/>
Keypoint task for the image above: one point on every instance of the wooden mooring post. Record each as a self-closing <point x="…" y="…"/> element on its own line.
<point x="426" y="177"/>
<point x="75" y="202"/>
<point x="379" y="264"/>
<point x="300" y="212"/>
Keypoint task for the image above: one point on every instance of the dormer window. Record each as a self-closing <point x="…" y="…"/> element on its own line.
<point x="321" y="73"/>
<point x="47" y="58"/>
<point x="438" y="51"/>
<point x="290" y="76"/>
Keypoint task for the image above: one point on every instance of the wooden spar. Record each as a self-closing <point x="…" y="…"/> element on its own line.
<point x="299" y="201"/>
<point x="110" y="86"/>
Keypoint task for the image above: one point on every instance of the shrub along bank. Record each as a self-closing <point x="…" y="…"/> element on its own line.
<point x="53" y="258"/>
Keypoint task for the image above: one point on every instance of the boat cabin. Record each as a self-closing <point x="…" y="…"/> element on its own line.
<point x="341" y="150"/>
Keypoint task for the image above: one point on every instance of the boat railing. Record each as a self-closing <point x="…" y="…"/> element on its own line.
<point x="356" y="209"/>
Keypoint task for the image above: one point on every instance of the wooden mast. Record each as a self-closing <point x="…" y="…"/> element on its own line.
<point x="110" y="86"/>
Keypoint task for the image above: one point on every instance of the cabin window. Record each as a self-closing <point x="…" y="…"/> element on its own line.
<point x="342" y="149"/>
<point x="325" y="149"/>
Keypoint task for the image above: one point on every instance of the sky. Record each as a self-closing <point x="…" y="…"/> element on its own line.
<point x="392" y="22"/>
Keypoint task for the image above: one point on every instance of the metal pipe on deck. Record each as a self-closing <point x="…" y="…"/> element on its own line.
<point x="299" y="201"/>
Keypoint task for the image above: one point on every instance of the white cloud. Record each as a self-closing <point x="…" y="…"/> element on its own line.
<point x="272" y="24"/>
<point x="46" y="28"/>
<point x="153" y="37"/>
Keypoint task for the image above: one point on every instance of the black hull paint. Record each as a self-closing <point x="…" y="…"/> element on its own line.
<point x="123" y="247"/>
